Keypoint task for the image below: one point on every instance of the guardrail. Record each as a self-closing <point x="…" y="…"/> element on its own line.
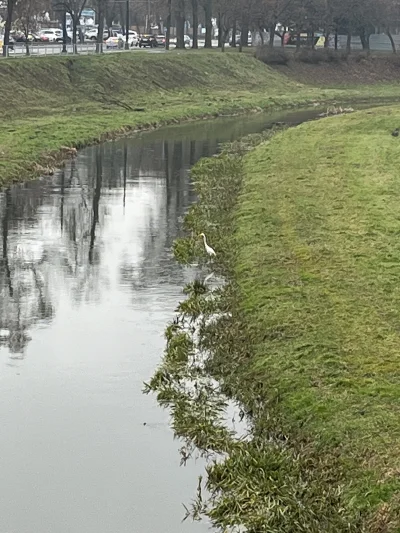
<point x="38" y="49"/>
<point x="378" y="42"/>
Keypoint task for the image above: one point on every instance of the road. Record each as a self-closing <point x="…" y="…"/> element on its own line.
<point x="379" y="42"/>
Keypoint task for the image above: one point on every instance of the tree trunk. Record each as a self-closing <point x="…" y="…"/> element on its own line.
<point x="224" y="37"/>
<point x="364" y="36"/>
<point x="122" y="17"/>
<point x="127" y="25"/>
<point x="234" y="31"/>
<point x="326" y="36"/>
<point x="195" y="12"/>
<point x="283" y="39"/>
<point x="96" y="202"/>
<point x="64" y="30"/>
<point x="312" y="36"/>
<point x="244" y="36"/>
<point x="100" y="29"/>
<point x="5" y="233"/>
<point x="336" y="39"/>
<point x="168" y="34"/>
<point x="27" y="46"/>
<point x="208" y="16"/>
<point x="75" y="21"/>
<point x="298" y="41"/>
<point x="109" y="16"/>
<point x="7" y="26"/>
<point x="271" y="35"/>
<point x="389" y="34"/>
<point x="219" y="30"/>
<point x="180" y="25"/>
<point x="348" y="44"/>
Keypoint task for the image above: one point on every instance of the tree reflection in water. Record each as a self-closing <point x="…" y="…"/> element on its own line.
<point x="106" y="222"/>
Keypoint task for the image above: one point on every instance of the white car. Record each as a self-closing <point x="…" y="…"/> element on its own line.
<point x="133" y="38"/>
<point x="91" y="34"/>
<point x="116" y="40"/>
<point x="53" y="34"/>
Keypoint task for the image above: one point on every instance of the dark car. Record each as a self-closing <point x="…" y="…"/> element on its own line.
<point x="147" y="40"/>
<point x="160" y="40"/>
<point x="60" y="40"/>
<point x="305" y="38"/>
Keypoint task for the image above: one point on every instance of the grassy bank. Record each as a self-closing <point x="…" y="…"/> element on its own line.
<point x="318" y="273"/>
<point x="305" y="334"/>
<point x="69" y="102"/>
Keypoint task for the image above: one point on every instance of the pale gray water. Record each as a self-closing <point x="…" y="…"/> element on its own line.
<point x="87" y="286"/>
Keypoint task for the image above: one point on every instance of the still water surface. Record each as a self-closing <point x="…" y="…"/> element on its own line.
<point x="87" y="284"/>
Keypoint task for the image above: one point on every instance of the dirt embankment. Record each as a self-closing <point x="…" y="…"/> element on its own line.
<point x="358" y="69"/>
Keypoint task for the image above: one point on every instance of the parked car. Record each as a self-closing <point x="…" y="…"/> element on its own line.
<point x="21" y="37"/>
<point x="91" y="34"/>
<point x="68" y="39"/>
<point x="147" y="40"/>
<point x="53" y="34"/>
<point x="115" y="41"/>
<point x="38" y="39"/>
<point x="305" y="38"/>
<point x="160" y="40"/>
<point x="133" y="38"/>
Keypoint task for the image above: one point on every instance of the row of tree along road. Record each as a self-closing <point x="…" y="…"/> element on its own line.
<point x="221" y="19"/>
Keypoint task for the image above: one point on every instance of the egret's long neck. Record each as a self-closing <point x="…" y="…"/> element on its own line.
<point x="205" y="240"/>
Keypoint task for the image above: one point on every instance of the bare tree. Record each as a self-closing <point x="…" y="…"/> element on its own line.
<point x="228" y="13"/>
<point x="7" y="27"/>
<point x="389" y="14"/>
<point x="27" y="14"/>
<point x="207" y="5"/>
<point x="101" y="11"/>
<point x="274" y="11"/>
<point x="195" y="23"/>
<point x="180" y="23"/>
<point x="75" y="8"/>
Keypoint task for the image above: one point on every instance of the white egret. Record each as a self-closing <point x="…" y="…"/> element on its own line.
<point x="209" y="250"/>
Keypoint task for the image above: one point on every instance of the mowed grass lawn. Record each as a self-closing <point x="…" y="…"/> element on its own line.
<point x="318" y="237"/>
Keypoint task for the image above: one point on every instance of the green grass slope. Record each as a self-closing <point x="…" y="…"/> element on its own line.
<point x="318" y="234"/>
<point x="41" y="85"/>
<point x="51" y="102"/>
<point x="58" y="102"/>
